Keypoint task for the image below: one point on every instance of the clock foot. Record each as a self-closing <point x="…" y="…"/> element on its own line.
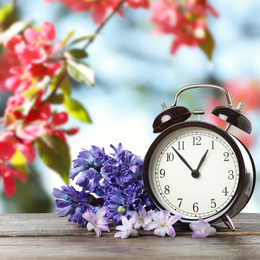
<point x="229" y="223"/>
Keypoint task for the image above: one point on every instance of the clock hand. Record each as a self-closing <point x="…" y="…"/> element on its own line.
<point x="180" y="156"/>
<point x="202" y="160"/>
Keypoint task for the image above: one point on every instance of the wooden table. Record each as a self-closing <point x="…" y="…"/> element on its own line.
<point x="43" y="236"/>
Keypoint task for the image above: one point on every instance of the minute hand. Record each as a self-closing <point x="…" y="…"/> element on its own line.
<point x="202" y="160"/>
<point x="185" y="162"/>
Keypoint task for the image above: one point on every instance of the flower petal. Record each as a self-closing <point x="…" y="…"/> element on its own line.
<point x="103" y="227"/>
<point x="151" y="226"/>
<point x="101" y="213"/>
<point x="170" y="231"/>
<point x="123" y="235"/>
<point x="9" y="186"/>
<point x="160" y="231"/>
<point x="89" y="216"/>
<point x="98" y="231"/>
<point x="174" y="219"/>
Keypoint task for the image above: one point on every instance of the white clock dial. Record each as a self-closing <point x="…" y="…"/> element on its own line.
<point x="194" y="172"/>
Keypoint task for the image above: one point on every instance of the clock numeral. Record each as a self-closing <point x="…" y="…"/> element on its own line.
<point x="162" y="173"/>
<point x="181" y="145"/>
<point x="196" y="140"/>
<point x="231" y="175"/>
<point x="213" y="203"/>
<point x="226" y="155"/>
<point x="212" y="144"/>
<point x="169" y="157"/>
<point x="225" y="191"/>
<point x="195" y="207"/>
<point x="180" y="201"/>
<point x="167" y="189"/>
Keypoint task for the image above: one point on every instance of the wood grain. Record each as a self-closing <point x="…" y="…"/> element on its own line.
<point x="43" y="236"/>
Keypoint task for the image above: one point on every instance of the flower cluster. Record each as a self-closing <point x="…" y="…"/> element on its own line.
<point x="111" y="191"/>
<point x="99" y="8"/>
<point x="186" y="20"/>
<point x="33" y="62"/>
<point x="116" y="179"/>
<point x="161" y="222"/>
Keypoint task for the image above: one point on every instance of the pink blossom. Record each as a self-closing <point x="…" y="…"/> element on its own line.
<point x="30" y="133"/>
<point x="19" y="80"/>
<point x="60" y="118"/>
<point x="34" y="50"/>
<point x="8" y="174"/>
<point x="9" y="143"/>
<point x="185" y="20"/>
<point x="8" y="60"/>
<point x="72" y="131"/>
<point x="100" y="8"/>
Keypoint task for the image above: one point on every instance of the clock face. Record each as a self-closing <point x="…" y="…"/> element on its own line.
<point x="193" y="171"/>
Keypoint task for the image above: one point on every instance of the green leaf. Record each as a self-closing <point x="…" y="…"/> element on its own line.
<point x="56" y="99"/>
<point x="5" y="10"/>
<point x="88" y="37"/>
<point x="76" y="54"/>
<point x="65" y="87"/>
<point x="76" y="110"/>
<point x="30" y="92"/>
<point x="14" y="29"/>
<point x="81" y="72"/>
<point x="207" y="46"/>
<point x="19" y="162"/>
<point x="54" y="152"/>
<point x="67" y="38"/>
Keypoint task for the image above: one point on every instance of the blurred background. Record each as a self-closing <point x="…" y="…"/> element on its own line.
<point x="135" y="73"/>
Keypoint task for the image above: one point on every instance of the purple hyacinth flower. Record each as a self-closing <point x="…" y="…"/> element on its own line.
<point x="142" y="218"/>
<point x="126" y="229"/>
<point x="162" y="223"/>
<point x="97" y="221"/>
<point x="201" y="229"/>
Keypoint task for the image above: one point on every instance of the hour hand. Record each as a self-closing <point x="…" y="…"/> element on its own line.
<point x="202" y="160"/>
<point x="181" y="157"/>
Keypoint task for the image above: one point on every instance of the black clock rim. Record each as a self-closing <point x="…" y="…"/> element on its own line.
<point x="211" y="127"/>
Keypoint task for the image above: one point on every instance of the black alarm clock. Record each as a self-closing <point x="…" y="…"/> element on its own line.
<point x="196" y="169"/>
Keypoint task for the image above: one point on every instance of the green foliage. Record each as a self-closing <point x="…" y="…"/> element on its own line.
<point x="76" y="54"/>
<point x="67" y="38"/>
<point x="14" y="29"/>
<point x="81" y="72"/>
<point x="56" y="99"/>
<point x="77" y="110"/>
<point x="5" y="11"/>
<point x="19" y="162"/>
<point x="84" y="38"/>
<point x="208" y="45"/>
<point x="54" y="152"/>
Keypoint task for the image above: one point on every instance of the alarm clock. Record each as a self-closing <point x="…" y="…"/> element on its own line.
<point x="196" y="169"/>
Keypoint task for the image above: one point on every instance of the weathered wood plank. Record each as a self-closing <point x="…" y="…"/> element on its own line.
<point x="41" y="236"/>
<point x="147" y="247"/>
<point x="52" y="225"/>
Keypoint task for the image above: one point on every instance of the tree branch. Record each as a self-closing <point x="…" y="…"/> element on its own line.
<point x="103" y="24"/>
<point x="100" y="27"/>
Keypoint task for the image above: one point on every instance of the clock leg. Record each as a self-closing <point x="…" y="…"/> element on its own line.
<point x="229" y="223"/>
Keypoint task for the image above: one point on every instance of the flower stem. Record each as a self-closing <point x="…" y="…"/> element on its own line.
<point x="100" y="27"/>
<point x="103" y="24"/>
